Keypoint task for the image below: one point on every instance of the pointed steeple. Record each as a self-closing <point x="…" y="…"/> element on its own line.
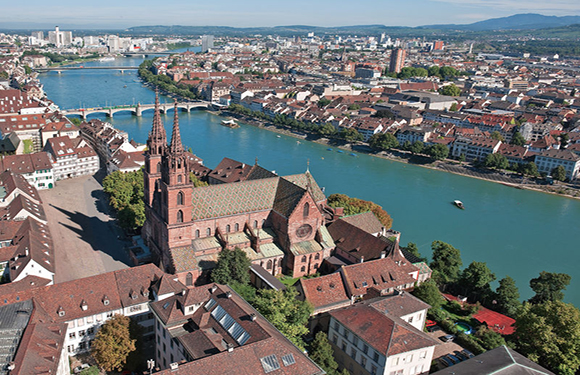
<point x="176" y="147"/>
<point x="157" y="137"/>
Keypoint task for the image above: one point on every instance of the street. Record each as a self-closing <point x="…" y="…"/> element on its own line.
<point x="86" y="238"/>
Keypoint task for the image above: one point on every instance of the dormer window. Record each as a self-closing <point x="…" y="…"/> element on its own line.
<point x="60" y="311"/>
<point x="133" y="295"/>
<point x="84" y="305"/>
<point x="106" y="301"/>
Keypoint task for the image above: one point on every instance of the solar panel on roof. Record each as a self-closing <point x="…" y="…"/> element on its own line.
<point x="218" y="313"/>
<point x="227" y="321"/>
<point x="288" y="359"/>
<point x="270" y="363"/>
<point x="210" y="304"/>
<point x="229" y="324"/>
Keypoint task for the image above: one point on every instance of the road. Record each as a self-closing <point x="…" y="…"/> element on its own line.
<point x="85" y="237"/>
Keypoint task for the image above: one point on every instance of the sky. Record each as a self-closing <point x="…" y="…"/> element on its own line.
<point x="120" y="14"/>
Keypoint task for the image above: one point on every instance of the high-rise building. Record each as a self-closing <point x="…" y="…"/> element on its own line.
<point x="206" y="43"/>
<point x="60" y="38"/>
<point x="39" y="35"/>
<point x="438" y="45"/>
<point x="397" y="60"/>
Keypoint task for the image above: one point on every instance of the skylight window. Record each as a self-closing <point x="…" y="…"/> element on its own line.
<point x="288" y="359"/>
<point x="270" y="363"/>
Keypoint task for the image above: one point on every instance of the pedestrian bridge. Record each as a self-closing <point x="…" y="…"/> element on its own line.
<point x="137" y="109"/>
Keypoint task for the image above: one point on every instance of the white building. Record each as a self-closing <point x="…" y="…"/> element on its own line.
<point x="382" y="337"/>
<point x="60" y="38"/>
<point x="206" y="43"/>
<point x="36" y="168"/>
<point x="547" y="160"/>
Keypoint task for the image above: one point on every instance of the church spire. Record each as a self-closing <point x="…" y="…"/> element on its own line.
<point x="176" y="147"/>
<point x="157" y="137"/>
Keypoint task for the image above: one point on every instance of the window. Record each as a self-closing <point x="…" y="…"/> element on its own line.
<point x="197" y="233"/>
<point x="423" y="354"/>
<point x="336" y="327"/>
<point x="237" y="227"/>
<point x="179" y="179"/>
<point x="189" y="279"/>
<point x="159" y="164"/>
<point x="334" y="339"/>
<point x="72" y="335"/>
<point x="228" y="228"/>
<point x="180" y="216"/>
<point x="90" y="331"/>
<point x="304" y="259"/>
<point x="180" y="198"/>
<point x="376" y="357"/>
<point x="269" y="265"/>
<point x="208" y="232"/>
<point x="306" y="210"/>
<point x="411" y="320"/>
<point x="365" y="348"/>
<point x="355" y="340"/>
<point x="317" y="256"/>
<point x="346" y="334"/>
<point x="82" y="333"/>
<point x="255" y="223"/>
<point x="373" y="370"/>
<point x="343" y="346"/>
<point x="353" y="353"/>
<point x="363" y="361"/>
<point x="302" y="269"/>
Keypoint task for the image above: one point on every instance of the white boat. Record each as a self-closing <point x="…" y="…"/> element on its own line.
<point x="459" y="204"/>
<point x="230" y="123"/>
<point x="103" y="59"/>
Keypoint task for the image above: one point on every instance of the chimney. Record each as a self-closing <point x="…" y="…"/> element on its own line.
<point x="362" y="259"/>
<point x="26" y="252"/>
<point x="383" y="254"/>
<point x="183" y="292"/>
<point x="230" y="348"/>
<point x="229" y="294"/>
<point x="213" y="288"/>
<point x="253" y="317"/>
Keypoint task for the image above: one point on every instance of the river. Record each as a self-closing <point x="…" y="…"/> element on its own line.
<point x="516" y="232"/>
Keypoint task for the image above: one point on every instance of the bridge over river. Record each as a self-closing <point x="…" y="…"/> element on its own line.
<point x="137" y="109"/>
<point x="60" y="69"/>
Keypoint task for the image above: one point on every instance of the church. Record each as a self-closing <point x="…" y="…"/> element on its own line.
<point x="278" y="221"/>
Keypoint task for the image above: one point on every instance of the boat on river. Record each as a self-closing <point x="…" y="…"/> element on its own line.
<point x="103" y="59"/>
<point x="459" y="204"/>
<point x="231" y="123"/>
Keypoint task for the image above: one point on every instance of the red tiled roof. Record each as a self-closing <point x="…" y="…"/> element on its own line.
<point x="325" y="291"/>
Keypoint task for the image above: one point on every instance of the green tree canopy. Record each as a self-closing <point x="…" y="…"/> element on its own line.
<point x="476" y="279"/>
<point x="438" y="151"/>
<point x="321" y="352"/>
<point x="489" y="339"/>
<point x="353" y="206"/>
<point x="549" y="334"/>
<point x="417" y="147"/>
<point x="530" y="169"/>
<point x="285" y="312"/>
<point x="323" y="102"/>
<point x="232" y="265"/>
<point x="113" y="343"/>
<point x="429" y="293"/>
<point x="549" y="286"/>
<point x="495" y="161"/>
<point x="559" y="173"/>
<point x="125" y="192"/>
<point x="446" y="262"/>
<point x="518" y="139"/>
<point x="383" y="141"/>
<point x="497" y="136"/>
<point x="507" y="296"/>
<point x="351" y="135"/>
<point x="327" y="129"/>
<point x="450" y="90"/>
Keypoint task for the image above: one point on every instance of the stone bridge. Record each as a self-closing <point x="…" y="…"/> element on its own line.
<point x="136" y="110"/>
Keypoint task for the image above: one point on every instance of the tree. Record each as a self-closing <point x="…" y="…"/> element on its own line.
<point x="450" y="90"/>
<point x="406" y="145"/>
<point x="196" y="181"/>
<point x="285" y="312"/>
<point x="489" y="339"/>
<point x="518" y="139"/>
<point x="353" y="206"/>
<point x="125" y="192"/>
<point x="476" y="278"/>
<point x="353" y="107"/>
<point x="495" y="161"/>
<point x="321" y="352"/>
<point x="383" y="141"/>
<point x="549" y="334"/>
<point x="530" y="169"/>
<point x="559" y="173"/>
<point x="549" y="286"/>
<point x="507" y="296"/>
<point x="327" y="129"/>
<point x="113" y="343"/>
<point x="351" y="135"/>
<point x="232" y="265"/>
<point x="417" y="147"/>
<point x="438" y="151"/>
<point x="323" y="102"/>
<point x="446" y="262"/>
<point x="433" y="70"/>
<point x="429" y="293"/>
<point x="453" y="107"/>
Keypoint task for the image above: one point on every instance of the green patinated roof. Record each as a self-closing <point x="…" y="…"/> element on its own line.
<point x="423" y="268"/>
<point x="200" y="244"/>
<point x="267" y="250"/>
<point x="305" y="247"/>
<point x="281" y="194"/>
<point x="326" y="239"/>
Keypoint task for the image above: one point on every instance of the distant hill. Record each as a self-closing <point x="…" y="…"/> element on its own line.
<point x="529" y="21"/>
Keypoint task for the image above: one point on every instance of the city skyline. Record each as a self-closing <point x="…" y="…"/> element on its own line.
<point x="259" y="13"/>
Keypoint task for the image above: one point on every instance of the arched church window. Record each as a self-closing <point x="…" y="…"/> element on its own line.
<point x="189" y="279"/>
<point x="255" y="223"/>
<point x="180" y="198"/>
<point x="306" y="210"/>
<point x="158" y="167"/>
<point x="269" y="266"/>
<point x="179" y="179"/>
<point x="302" y="269"/>
<point x="228" y="228"/>
<point x="304" y="259"/>
<point x="208" y="232"/>
<point x="197" y="233"/>
<point x="180" y="216"/>
<point x="237" y="227"/>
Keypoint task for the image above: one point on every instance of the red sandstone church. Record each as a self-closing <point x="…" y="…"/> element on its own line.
<point x="277" y="221"/>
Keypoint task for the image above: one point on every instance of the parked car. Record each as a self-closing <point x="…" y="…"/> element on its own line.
<point x="430" y="323"/>
<point x="80" y="368"/>
<point x="453" y="358"/>
<point x="434" y="328"/>
<point x="445" y="362"/>
<point x="468" y="353"/>
<point x="447" y="338"/>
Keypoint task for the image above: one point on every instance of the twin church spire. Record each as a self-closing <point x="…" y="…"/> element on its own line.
<point x="157" y="142"/>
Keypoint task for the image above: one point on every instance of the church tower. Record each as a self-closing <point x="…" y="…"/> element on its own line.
<point x="176" y="188"/>
<point x="156" y="147"/>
